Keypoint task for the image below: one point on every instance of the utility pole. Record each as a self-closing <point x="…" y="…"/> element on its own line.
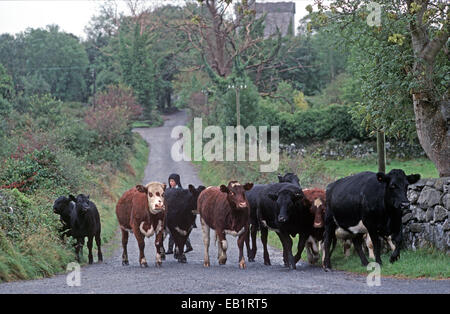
<point x="95" y="86"/>
<point x="381" y="151"/>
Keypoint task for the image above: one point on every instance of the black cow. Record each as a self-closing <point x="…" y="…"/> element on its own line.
<point x="252" y="197"/>
<point x="81" y="219"/>
<point x="181" y="213"/>
<point x="290" y="178"/>
<point x="367" y="202"/>
<point x="283" y="208"/>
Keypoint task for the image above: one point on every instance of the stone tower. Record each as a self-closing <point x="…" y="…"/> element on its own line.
<point x="279" y="14"/>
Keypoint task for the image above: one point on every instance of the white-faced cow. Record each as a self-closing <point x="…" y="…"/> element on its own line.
<point x="367" y="202"/>
<point x="142" y="210"/>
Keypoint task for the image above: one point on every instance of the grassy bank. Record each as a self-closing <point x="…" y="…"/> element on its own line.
<point x="318" y="173"/>
<point x="30" y="247"/>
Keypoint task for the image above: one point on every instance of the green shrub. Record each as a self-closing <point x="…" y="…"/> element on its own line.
<point x="311" y="125"/>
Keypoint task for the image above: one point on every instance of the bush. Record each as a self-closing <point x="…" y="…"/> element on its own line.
<point x="311" y="125"/>
<point x="40" y="170"/>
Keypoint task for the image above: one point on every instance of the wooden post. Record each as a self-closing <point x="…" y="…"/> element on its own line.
<point x="381" y="151"/>
<point x="238" y="112"/>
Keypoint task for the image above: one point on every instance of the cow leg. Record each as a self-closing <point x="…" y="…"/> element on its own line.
<point x="302" y="238"/>
<point x="240" y="242"/>
<point x="98" y="242"/>
<point x="357" y="243"/>
<point x="287" y="249"/>
<point x="264" y="233"/>
<point x="141" y="244"/>
<point x="222" y="247"/>
<point x="124" y="246"/>
<point x="329" y="238"/>
<point x="171" y="244"/>
<point x="347" y="246"/>
<point x="376" y="244"/>
<point x="159" y="239"/>
<point x="206" y="234"/>
<point x="369" y="245"/>
<point x="89" y="245"/>
<point x="78" y="248"/>
<point x="397" y="239"/>
<point x="252" y="234"/>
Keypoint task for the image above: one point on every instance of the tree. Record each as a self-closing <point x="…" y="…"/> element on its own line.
<point x="404" y="64"/>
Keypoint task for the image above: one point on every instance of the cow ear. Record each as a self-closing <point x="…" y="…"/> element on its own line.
<point x="413" y="178"/>
<point x="201" y="188"/>
<point x="72" y="198"/>
<point x="141" y="188"/>
<point x="381" y="177"/>
<point x="164" y="186"/>
<point x="191" y="189"/>
<point x="224" y="189"/>
<point x="273" y="196"/>
<point x="280" y="178"/>
<point x="248" y="186"/>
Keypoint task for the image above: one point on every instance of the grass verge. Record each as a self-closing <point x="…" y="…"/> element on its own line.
<point x="38" y="252"/>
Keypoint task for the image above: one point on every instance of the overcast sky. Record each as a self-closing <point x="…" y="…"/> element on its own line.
<point x="72" y="15"/>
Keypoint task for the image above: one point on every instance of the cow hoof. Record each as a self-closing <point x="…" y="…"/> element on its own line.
<point x="182" y="260"/>
<point x="327" y="269"/>
<point x="267" y="263"/>
<point x="158" y="264"/>
<point x="242" y="265"/>
<point x="144" y="265"/>
<point x="222" y="261"/>
<point x="206" y="264"/>
<point x="125" y="263"/>
<point x="251" y="260"/>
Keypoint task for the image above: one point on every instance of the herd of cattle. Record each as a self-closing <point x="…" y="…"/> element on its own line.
<point x="366" y="207"/>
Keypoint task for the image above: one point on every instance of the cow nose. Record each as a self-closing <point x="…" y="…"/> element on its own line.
<point x="243" y="204"/>
<point x="281" y="219"/>
<point x="318" y="225"/>
<point x="405" y="204"/>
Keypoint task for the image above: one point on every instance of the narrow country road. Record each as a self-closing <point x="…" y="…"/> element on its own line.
<point x="193" y="278"/>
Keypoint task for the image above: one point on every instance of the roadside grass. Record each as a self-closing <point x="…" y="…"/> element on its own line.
<point x="141" y="124"/>
<point x="346" y="167"/>
<point x="313" y="172"/>
<point x="39" y="252"/>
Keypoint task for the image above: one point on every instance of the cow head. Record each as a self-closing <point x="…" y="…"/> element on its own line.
<point x="288" y="201"/>
<point x="290" y="178"/>
<point x="396" y="186"/>
<point x="317" y="209"/>
<point x="155" y="196"/>
<point x="195" y="192"/>
<point x="82" y="203"/>
<point x="61" y="204"/>
<point x="236" y="194"/>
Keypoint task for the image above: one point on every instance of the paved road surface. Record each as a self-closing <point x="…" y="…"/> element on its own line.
<point x="172" y="277"/>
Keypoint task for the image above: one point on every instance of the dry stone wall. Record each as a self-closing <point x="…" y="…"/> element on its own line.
<point x="426" y="222"/>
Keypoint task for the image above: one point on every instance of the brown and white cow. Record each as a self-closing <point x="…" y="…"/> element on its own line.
<point x="226" y="210"/>
<point x="313" y="234"/>
<point x="142" y="210"/>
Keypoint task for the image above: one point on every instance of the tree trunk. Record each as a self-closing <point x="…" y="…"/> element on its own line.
<point x="432" y="131"/>
<point x="431" y="111"/>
